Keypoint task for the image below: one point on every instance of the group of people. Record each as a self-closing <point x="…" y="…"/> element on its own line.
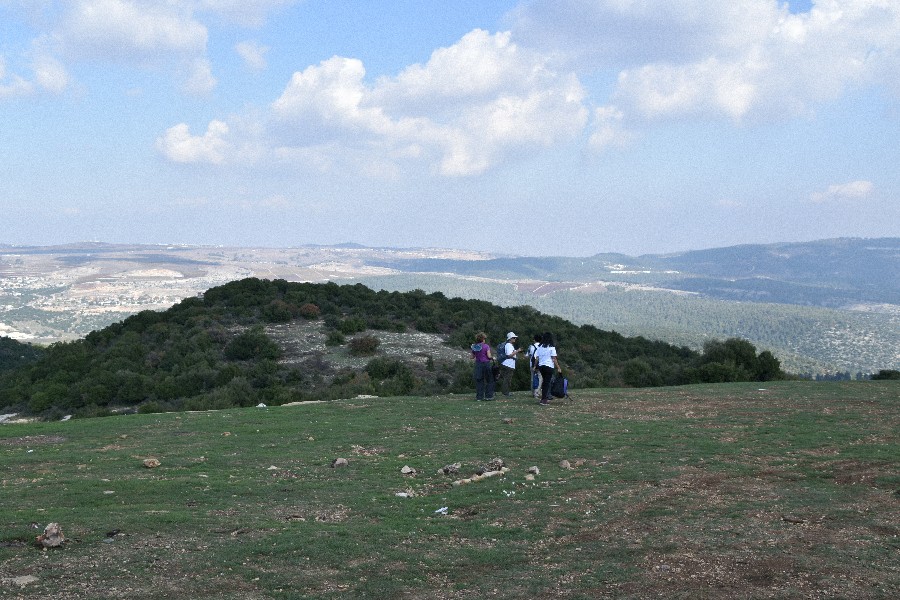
<point x="542" y="362"/>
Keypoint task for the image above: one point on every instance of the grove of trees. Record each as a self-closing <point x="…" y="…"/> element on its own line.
<point x="214" y="352"/>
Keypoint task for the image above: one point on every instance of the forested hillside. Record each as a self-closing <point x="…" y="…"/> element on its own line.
<point x="15" y="354"/>
<point x="234" y="346"/>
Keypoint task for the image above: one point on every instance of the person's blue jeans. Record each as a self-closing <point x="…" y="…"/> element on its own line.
<point x="484" y="380"/>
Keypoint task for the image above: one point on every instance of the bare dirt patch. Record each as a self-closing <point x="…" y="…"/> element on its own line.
<point x="32" y="440"/>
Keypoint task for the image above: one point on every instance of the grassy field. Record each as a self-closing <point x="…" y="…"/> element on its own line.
<point x="718" y="491"/>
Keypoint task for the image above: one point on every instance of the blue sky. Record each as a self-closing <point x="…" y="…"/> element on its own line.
<point x="536" y="127"/>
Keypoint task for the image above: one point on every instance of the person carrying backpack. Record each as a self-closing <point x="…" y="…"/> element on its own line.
<point x="532" y="366"/>
<point x="545" y="356"/>
<point x="506" y="355"/>
<point x="484" y="374"/>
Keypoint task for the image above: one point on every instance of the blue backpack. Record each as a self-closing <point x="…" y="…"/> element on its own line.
<point x="501" y="352"/>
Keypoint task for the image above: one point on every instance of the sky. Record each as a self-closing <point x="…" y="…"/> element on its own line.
<point x="531" y="127"/>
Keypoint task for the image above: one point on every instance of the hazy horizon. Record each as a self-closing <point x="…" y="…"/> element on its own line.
<point x="350" y="244"/>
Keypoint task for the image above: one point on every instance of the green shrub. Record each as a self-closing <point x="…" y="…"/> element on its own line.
<point x="364" y="345"/>
<point x="886" y="374"/>
<point x="335" y="338"/>
<point x="352" y="325"/>
<point x="252" y="344"/>
<point x="278" y="311"/>
<point x="310" y="311"/>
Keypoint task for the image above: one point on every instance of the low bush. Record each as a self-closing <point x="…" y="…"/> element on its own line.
<point x="364" y="345"/>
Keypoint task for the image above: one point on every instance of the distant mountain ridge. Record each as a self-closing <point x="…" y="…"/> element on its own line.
<point x="828" y="273"/>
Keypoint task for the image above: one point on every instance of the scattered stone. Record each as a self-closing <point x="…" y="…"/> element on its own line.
<point x="339" y="462"/>
<point x="407" y="470"/>
<point x="534" y="470"/>
<point x="793" y="519"/>
<point x="508" y="421"/>
<point x="564" y="464"/>
<point x="52" y="536"/>
<point x="274" y="468"/>
<point x="529" y="477"/>
<point x="495" y="464"/>
<point x="450" y="469"/>
<point x="66" y="418"/>
<point x="404" y="495"/>
<point x="23" y="580"/>
<point x="226" y="433"/>
<point x="260" y="405"/>
<point x="480" y="476"/>
<point x="151" y="463"/>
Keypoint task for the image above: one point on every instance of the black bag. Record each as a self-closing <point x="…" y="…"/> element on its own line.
<point x="559" y="386"/>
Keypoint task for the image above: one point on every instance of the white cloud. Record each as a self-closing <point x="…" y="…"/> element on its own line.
<point x="331" y="94"/>
<point x="180" y="146"/>
<point x="253" y="54"/>
<point x="463" y="110"/>
<point x="158" y="34"/>
<point x="608" y="129"/>
<point x="12" y="85"/>
<point x="251" y="14"/>
<point x="47" y="74"/>
<point x="50" y="74"/>
<point x="479" y="65"/>
<point x="200" y="80"/>
<point x="739" y="59"/>
<point x="126" y="30"/>
<point x="854" y="190"/>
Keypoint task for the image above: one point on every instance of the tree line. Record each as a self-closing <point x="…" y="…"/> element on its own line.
<point x="216" y="351"/>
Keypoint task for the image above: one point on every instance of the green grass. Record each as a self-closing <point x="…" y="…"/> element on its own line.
<point x="721" y="491"/>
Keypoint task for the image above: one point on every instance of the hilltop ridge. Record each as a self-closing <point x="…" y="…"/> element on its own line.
<point x="274" y="342"/>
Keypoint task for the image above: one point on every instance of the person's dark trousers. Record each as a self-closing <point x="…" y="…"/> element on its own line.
<point x="506" y="374"/>
<point x="547" y="375"/>
<point x="484" y="381"/>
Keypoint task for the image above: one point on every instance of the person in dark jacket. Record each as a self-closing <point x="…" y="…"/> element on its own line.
<point x="484" y="373"/>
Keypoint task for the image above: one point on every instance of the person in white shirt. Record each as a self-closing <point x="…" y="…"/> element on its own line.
<point x="545" y="354"/>
<point x="508" y="366"/>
